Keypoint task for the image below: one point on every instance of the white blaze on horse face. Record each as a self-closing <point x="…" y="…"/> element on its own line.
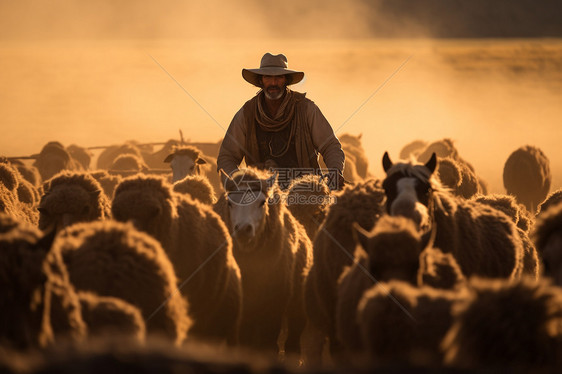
<point x="182" y="166"/>
<point x="406" y="203"/>
<point x="247" y="213"/>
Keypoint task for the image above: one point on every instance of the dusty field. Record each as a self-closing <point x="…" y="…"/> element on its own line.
<point x="489" y="96"/>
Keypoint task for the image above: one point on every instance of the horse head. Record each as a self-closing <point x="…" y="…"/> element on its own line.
<point x="408" y="189"/>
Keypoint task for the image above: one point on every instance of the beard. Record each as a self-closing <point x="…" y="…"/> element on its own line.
<point x="274" y="92"/>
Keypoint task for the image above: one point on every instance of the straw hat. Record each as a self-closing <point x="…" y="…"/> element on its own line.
<point x="272" y="65"/>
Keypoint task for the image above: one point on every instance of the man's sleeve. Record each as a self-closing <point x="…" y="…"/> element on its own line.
<point x="231" y="151"/>
<point x="324" y="139"/>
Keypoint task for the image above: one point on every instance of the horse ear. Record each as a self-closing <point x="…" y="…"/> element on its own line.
<point x="432" y="163"/>
<point x="200" y="161"/>
<point x="169" y="158"/>
<point x="360" y="235"/>
<point x="386" y="163"/>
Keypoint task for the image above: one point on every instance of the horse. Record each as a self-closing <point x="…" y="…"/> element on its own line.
<point x="483" y="240"/>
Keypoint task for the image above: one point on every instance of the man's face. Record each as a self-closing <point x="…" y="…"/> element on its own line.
<point x="274" y="86"/>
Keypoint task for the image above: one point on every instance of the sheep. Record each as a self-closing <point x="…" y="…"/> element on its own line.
<point x="199" y="247"/>
<point x="471" y="184"/>
<point x="450" y="174"/>
<point x="80" y="154"/>
<point x="554" y="198"/>
<point x="109" y="154"/>
<point x="113" y="259"/>
<point x="412" y="149"/>
<point x="12" y="178"/>
<point x="401" y="323"/>
<point x="524" y="221"/>
<point x="17" y="196"/>
<point x="185" y="160"/>
<point x="547" y="237"/>
<point x="391" y="251"/>
<point x="508" y="325"/>
<point x="38" y="305"/>
<point x="107" y="316"/>
<point x="28" y="172"/>
<point x="197" y="187"/>
<point x="509" y="205"/>
<point x="467" y="185"/>
<point x="128" y="162"/>
<point x="308" y="200"/>
<point x="53" y="159"/>
<point x="189" y="160"/>
<point x="439" y="270"/>
<point x="526" y="175"/>
<point x="351" y="144"/>
<point x="483" y="240"/>
<point x="72" y="197"/>
<point x="333" y="249"/>
<point x="107" y="181"/>
<point x="274" y="254"/>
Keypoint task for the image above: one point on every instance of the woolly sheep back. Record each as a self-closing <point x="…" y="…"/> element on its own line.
<point x="114" y="259"/>
<point x="526" y="175"/>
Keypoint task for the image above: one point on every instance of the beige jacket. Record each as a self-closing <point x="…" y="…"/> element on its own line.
<point x="232" y="149"/>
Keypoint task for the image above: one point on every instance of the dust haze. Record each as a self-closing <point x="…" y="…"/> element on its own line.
<point x="100" y="73"/>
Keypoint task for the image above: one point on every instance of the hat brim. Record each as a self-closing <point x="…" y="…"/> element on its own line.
<point x="253" y="75"/>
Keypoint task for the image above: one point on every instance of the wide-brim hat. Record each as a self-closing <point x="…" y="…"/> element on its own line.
<point x="272" y="65"/>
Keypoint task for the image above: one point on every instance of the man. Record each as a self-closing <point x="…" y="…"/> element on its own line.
<point x="280" y="128"/>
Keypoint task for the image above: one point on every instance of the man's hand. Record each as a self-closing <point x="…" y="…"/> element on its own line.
<point x="334" y="179"/>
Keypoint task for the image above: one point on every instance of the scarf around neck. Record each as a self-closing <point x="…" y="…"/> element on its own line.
<point x="291" y="112"/>
<point x="284" y="115"/>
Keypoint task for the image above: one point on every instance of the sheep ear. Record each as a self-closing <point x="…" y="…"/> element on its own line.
<point x="432" y="163"/>
<point x="200" y="161"/>
<point x="360" y="235"/>
<point x="169" y="158"/>
<point x="386" y="163"/>
<point x="359" y="136"/>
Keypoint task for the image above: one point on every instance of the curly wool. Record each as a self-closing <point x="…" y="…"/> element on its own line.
<point x="273" y="268"/>
<point x="108" y="316"/>
<point x="506" y="324"/>
<point x="308" y="200"/>
<point x="526" y="175"/>
<point x="197" y="187"/>
<point x="403" y="323"/>
<point x="198" y="245"/>
<point x="38" y="305"/>
<point x="72" y="197"/>
<point x="389" y="252"/>
<point x="113" y="259"/>
<point x="333" y="249"/>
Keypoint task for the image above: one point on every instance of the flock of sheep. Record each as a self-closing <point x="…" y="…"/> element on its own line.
<point x="146" y="261"/>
